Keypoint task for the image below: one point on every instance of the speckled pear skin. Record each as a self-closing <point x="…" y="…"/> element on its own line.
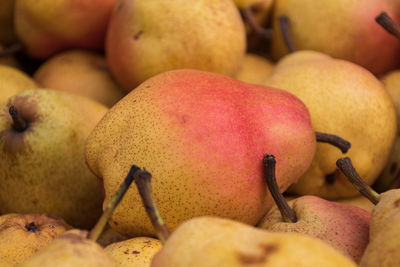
<point x="42" y="169"/>
<point x="71" y="249"/>
<point x="203" y="137"/>
<point x="217" y="242"/>
<point x="17" y="244"/>
<point x="134" y="252"/>
<point x="344" y="227"/>
<point x="343" y="99"/>
<point x="384" y="247"/>
<point x="145" y="38"/>
<point x="324" y="26"/>
<point x="388" y="205"/>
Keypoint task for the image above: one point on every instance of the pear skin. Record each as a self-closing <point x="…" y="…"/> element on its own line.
<point x="145" y="38"/>
<point x="43" y="167"/>
<point x="48" y="27"/>
<point x="189" y="128"/>
<point x="71" y="249"/>
<point x="13" y="81"/>
<point x="81" y="72"/>
<point x="346" y="100"/>
<point x="341" y="28"/>
<point x="23" y="235"/>
<point x="217" y="242"/>
<point x="344" y="227"/>
<point x="134" y="252"/>
<point x="255" y="69"/>
<point x="358" y="201"/>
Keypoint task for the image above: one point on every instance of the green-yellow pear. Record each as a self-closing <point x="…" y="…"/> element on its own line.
<point x="345" y="99"/>
<point x="23" y="235"/>
<point x="43" y="170"/>
<point x="7" y="34"/>
<point x="134" y="252"/>
<point x="13" y="81"/>
<point x="145" y="38"/>
<point x="254" y="69"/>
<point x="71" y="249"/>
<point x="217" y="242"/>
<point x="47" y="27"/>
<point x="203" y="136"/>
<point x="391" y="172"/>
<point x="80" y="72"/>
<point x="343" y="29"/>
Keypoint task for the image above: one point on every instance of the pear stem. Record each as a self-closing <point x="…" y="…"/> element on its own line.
<point x="19" y="124"/>
<point x="102" y="222"/>
<point x="288" y="214"/>
<point x="334" y="140"/>
<point x="11" y="50"/>
<point x="345" y="165"/>
<point x="284" y="24"/>
<point x="257" y="28"/>
<point x="388" y="24"/>
<point x="143" y="183"/>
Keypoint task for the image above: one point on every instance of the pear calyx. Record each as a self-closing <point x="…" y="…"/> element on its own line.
<point x="102" y="222"/>
<point x="284" y="24"/>
<point x="334" y="140"/>
<point x="288" y="214"/>
<point x="345" y="165"/>
<point x="143" y="184"/>
<point x="388" y="24"/>
<point x="32" y="227"/>
<point x="19" y="124"/>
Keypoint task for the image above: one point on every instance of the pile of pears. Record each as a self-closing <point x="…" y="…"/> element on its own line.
<point x="256" y="132"/>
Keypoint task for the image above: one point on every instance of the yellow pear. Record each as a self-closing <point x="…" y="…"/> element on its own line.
<point x="13" y="81"/>
<point x="71" y="249"/>
<point x="212" y="241"/>
<point x="254" y="69"/>
<point x="23" y="235"/>
<point x="145" y="38"/>
<point x="80" y="72"/>
<point x="43" y="170"/>
<point x="134" y="252"/>
<point x="344" y="99"/>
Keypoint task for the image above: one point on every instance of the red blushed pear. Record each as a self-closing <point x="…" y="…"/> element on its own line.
<point x="203" y="135"/>
<point x="47" y="27"/>
<point x="344" y="227"/>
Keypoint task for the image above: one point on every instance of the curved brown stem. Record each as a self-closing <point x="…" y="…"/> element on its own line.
<point x="345" y="165"/>
<point x="284" y="24"/>
<point x="334" y="140"/>
<point x="19" y="124"/>
<point x="388" y="24"/>
<point x="254" y="25"/>
<point x="11" y="50"/>
<point x="288" y="214"/>
<point x="143" y="183"/>
<point x="102" y="222"/>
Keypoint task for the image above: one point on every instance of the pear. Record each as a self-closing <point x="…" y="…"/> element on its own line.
<point x="71" y="249"/>
<point x="348" y="100"/>
<point x="344" y="227"/>
<point x="13" y="81"/>
<point x="145" y="38"/>
<point x="134" y="252"/>
<point x="358" y="201"/>
<point x="188" y="127"/>
<point x="383" y="248"/>
<point x="7" y="33"/>
<point x="43" y="170"/>
<point x="81" y="72"/>
<point x="48" y="27"/>
<point x="22" y="235"/>
<point x="255" y="69"/>
<point x="341" y="29"/>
